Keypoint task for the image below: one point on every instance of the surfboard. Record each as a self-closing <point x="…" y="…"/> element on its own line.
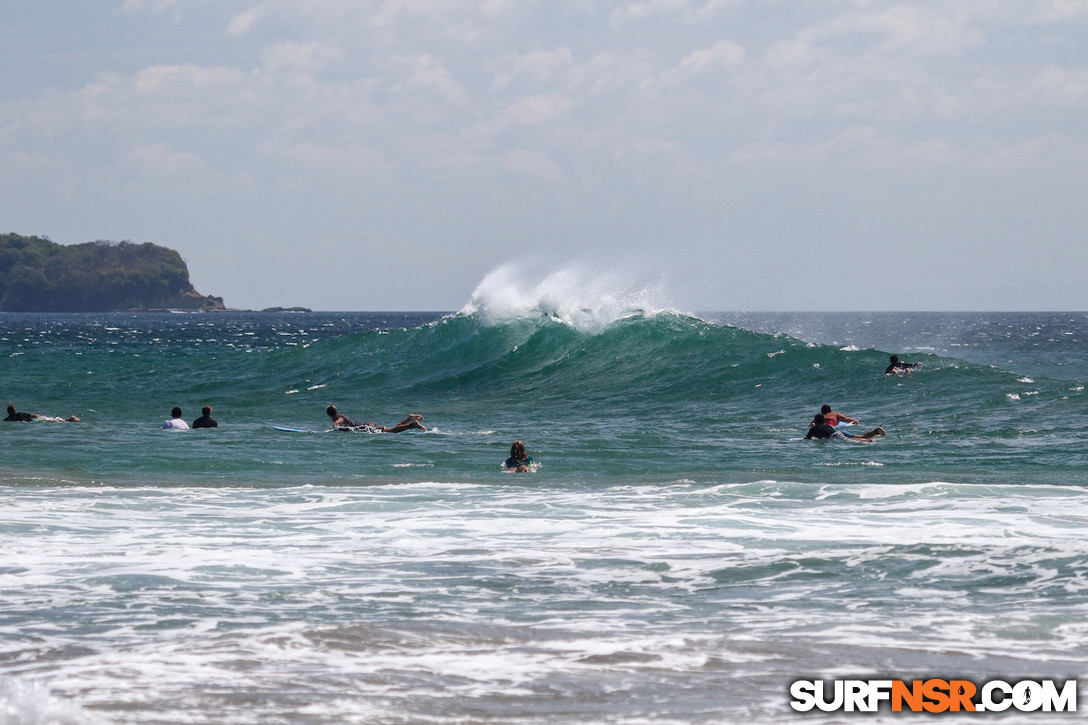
<point x="359" y="429"/>
<point x="532" y="468"/>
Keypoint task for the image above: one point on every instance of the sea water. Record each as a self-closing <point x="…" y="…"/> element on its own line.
<point x="680" y="556"/>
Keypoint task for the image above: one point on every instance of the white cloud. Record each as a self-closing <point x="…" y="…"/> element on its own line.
<point x="903" y="29"/>
<point x="1061" y="87"/>
<point x="648" y="9"/>
<point x="684" y="11"/>
<point x="537" y="67"/>
<point x="174" y="80"/>
<point x="531" y="111"/>
<point x="300" y="58"/>
<point x="723" y="55"/>
<point x="430" y="73"/>
<point x="459" y="18"/>
<point x="171" y="98"/>
<point x="609" y="74"/>
<point x="139" y="6"/>
<point x="500" y="7"/>
<point x="242" y="23"/>
<point x="536" y="109"/>
<point x="714" y="7"/>
<point x="1060" y="11"/>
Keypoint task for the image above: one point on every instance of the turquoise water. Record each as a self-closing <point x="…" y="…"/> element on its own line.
<point x="643" y="399"/>
<point x="680" y="556"/>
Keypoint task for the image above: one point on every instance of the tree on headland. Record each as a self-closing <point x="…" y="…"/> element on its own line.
<point x="38" y="275"/>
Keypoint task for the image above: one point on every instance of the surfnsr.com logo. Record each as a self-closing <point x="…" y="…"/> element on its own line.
<point x="934" y="695"/>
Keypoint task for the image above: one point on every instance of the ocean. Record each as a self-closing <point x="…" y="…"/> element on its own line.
<point x="680" y="556"/>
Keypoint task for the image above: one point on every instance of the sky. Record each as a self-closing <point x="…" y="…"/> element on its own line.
<point x="396" y="154"/>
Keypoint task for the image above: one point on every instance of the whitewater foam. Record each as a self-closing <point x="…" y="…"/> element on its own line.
<point x="28" y="702"/>
<point x="585" y="300"/>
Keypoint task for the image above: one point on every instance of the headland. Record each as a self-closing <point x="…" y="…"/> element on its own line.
<point x="39" y="275"/>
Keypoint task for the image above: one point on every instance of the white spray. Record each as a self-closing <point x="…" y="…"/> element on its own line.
<point x="587" y="301"/>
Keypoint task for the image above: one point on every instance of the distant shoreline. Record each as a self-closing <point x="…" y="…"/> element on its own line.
<point x="218" y="310"/>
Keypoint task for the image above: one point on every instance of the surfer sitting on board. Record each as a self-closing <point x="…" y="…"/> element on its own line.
<point x="175" y="422"/>
<point x="342" y="422"/>
<point x="205" y="420"/>
<point x="820" y="430"/>
<point x="519" y="461"/>
<point x="27" y="417"/>
<point x="896" y="367"/>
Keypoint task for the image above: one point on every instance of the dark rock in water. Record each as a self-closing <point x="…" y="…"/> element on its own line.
<point x="38" y="275"/>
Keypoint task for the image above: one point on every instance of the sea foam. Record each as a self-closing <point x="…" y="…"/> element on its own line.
<point x="27" y="702"/>
<point x="574" y="295"/>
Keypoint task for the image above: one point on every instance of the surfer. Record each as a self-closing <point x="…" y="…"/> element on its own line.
<point x="833" y="418"/>
<point x="896" y="367"/>
<point x="175" y="422"/>
<point x="14" y="416"/>
<point x="821" y="430"/>
<point x="342" y="422"/>
<point x="519" y="461"/>
<point x="205" y="420"/>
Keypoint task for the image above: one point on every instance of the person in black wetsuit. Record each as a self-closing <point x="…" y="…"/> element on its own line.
<point x="342" y="422"/>
<point x="13" y="416"/>
<point x="205" y="420"/>
<point x="19" y="417"/>
<point x="820" y="430"/>
<point x="897" y="367"/>
<point x="519" y="461"/>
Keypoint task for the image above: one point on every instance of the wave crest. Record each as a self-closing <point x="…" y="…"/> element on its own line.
<point x="575" y="296"/>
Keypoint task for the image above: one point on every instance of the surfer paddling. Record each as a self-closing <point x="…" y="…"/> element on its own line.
<point x="20" y="417"/>
<point x="342" y="422"/>
<point x="833" y="418"/>
<point x="820" y="429"/>
<point x="897" y="367"/>
<point x="519" y="461"/>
